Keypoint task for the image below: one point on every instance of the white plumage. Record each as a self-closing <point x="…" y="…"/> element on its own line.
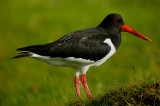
<point x="79" y="64"/>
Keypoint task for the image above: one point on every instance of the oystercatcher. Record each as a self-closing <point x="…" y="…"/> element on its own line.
<point x="83" y="48"/>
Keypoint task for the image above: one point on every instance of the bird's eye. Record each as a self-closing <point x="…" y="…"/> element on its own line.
<point x="115" y="20"/>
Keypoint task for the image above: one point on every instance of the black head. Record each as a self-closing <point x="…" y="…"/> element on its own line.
<point x="112" y="21"/>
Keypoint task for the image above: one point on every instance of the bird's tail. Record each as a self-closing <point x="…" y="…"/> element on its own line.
<point x="34" y="49"/>
<point x="22" y="54"/>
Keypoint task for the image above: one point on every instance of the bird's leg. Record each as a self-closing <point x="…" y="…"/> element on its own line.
<point x="84" y="82"/>
<point x="77" y="84"/>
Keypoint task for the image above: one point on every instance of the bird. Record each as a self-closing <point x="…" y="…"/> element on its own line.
<point x="83" y="49"/>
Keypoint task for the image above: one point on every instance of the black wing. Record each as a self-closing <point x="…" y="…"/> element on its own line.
<point x="90" y="47"/>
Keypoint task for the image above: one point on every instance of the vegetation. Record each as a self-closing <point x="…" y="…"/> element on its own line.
<point x="30" y="82"/>
<point x="142" y="95"/>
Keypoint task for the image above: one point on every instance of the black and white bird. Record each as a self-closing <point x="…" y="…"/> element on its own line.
<point x="83" y="49"/>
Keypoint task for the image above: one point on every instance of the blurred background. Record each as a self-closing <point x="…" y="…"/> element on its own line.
<point x="30" y="82"/>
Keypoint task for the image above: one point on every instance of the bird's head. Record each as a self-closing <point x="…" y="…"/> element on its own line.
<point x="115" y="22"/>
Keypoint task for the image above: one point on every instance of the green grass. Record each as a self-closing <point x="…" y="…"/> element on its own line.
<point x="141" y="94"/>
<point x="31" y="82"/>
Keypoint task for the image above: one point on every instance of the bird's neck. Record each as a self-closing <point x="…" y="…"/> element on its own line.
<point x="116" y="39"/>
<point x="115" y="36"/>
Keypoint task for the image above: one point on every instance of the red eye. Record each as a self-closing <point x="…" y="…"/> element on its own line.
<point x="115" y="20"/>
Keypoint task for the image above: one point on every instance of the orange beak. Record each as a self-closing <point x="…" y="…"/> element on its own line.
<point x="126" y="28"/>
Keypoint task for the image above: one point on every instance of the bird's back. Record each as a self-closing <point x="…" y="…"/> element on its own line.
<point x="79" y="44"/>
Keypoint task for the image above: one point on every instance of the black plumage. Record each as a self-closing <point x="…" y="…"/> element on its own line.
<point x="86" y="43"/>
<point x="78" y="45"/>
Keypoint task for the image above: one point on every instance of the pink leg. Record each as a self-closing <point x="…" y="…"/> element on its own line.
<point x="77" y="84"/>
<point x="84" y="82"/>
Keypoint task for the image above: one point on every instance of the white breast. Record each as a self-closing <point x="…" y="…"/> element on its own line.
<point x="112" y="51"/>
